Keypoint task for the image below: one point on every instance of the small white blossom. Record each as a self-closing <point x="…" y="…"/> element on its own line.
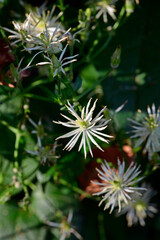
<point x="65" y="227"/>
<point x="138" y="210"/>
<point x="148" y="131"/>
<point x="39" y="20"/>
<point x="86" y="127"/>
<point x="117" y="185"/>
<point x="105" y="8"/>
<point x="20" y="34"/>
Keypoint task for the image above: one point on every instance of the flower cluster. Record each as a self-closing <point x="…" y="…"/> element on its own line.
<point x="42" y="33"/>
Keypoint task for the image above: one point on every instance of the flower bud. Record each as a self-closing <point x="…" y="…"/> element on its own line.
<point x="116" y="57"/>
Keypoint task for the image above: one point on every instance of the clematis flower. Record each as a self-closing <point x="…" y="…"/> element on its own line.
<point x="148" y="131"/>
<point x="118" y="185"/>
<point x="86" y="127"/>
<point x="104" y="8"/>
<point x="138" y="210"/>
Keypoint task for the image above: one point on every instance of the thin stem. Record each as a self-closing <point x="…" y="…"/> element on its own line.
<point x="102" y="48"/>
<point x="75" y="189"/>
<point x="101" y="226"/>
<point x="115" y="26"/>
<point x="16" y="148"/>
<point x="71" y="64"/>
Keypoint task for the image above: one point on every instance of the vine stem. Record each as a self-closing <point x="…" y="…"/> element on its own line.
<point x="74" y="188"/>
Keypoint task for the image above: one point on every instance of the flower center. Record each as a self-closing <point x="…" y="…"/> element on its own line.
<point x="140" y="208"/>
<point x="152" y="123"/>
<point x="41" y="26"/>
<point x="65" y="226"/>
<point x="82" y="124"/>
<point x="117" y="184"/>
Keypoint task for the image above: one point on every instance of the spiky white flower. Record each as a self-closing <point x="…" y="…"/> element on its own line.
<point x="105" y="8"/>
<point x="20" y="34"/>
<point x="39" y="20"/>
<point x="85" y="127"/>
<point x="148" y="131"/>
<point x="138" y="210"/>
<point x="35" y="24"/>
<point x="65" y="227"/>
<point x="118" y="185"/>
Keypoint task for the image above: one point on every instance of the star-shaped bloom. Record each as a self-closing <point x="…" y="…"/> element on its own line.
<point x="39" y="20"/>
<point x="138" y="210"/>
<point x="86" y="127"/>
<point x="105" y="8"/>
<point x="148" y="131"/>
<point x="117" y="185"/>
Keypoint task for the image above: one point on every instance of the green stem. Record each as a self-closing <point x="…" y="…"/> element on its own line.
<point x="71" y="64"/>
<point x="75" y="189"/>
<point x="30" y="95"/>
<point x="115" y="26"/>
<point x="102" y="48"/>
<point x="16" y="148"/>
<point x="101" y="226"/>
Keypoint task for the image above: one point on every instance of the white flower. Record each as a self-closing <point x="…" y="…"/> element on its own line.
<point x="138" y="210"/>
<point x="85" y="127"/>
<point x="105" y="8"/>
<point x="39" y="20"/>
<point x="47" y="42"/>
<point x="117" y="185"/>
<point x="148" y="131"/>
<point x="65" y="227"/>
<point x="35" y="24"/>
<point x="20" y="34"/>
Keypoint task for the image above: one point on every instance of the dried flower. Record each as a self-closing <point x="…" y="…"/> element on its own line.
<point x="138" y="210"/>
<point x="85" y="126"/>
<point x="148" y="131"/>
<point x="118" y="185"/>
